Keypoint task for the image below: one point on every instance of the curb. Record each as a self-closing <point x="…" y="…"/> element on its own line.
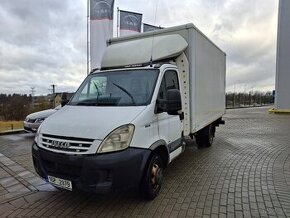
<point x="231" y="108"/>
<point x="279" y="111"/>
<point x="12" y="132"/>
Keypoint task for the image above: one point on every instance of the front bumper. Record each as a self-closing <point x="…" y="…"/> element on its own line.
<point x="94" y="173"/>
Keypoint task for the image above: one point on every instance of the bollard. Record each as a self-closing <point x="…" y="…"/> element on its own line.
<point x="12" y="126"/>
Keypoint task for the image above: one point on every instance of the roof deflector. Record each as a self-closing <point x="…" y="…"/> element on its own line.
<point x="140" y="51"/>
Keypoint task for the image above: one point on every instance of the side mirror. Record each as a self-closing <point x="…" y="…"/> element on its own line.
<point x="173" y="104"/>
<point x="64" y="102"/>
<point x="64" y="99"/>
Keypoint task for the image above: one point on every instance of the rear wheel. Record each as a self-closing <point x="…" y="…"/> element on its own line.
<point x="204" y="137"/>
<point x="152" y="180"/>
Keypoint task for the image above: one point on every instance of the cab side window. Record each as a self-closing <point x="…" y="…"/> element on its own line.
<point x="169" y="81"/>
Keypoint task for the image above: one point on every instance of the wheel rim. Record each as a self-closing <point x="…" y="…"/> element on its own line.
<point x="156" y="175"/>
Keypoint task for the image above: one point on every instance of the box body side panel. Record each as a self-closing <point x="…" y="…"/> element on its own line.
<point x="208" y="83"/>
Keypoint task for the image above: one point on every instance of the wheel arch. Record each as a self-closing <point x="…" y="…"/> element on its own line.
<point x="161" y="148"/>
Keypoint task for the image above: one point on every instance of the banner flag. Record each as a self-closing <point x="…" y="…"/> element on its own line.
<point x="101" y="29"/>
<point x="148" y="27"/>
<point x="130" y="23"/>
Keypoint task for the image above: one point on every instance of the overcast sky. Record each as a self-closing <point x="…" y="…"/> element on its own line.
<point x="43" y="42"/>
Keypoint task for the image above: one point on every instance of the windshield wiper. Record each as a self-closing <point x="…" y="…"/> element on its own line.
<point x="103" y="101"/>
<point x="128" y="93"/>
<point x="98" y="91"/>
<point x="88" y="102"/>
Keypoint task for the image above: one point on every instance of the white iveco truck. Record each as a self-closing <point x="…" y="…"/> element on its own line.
<point x="127" y="121"/>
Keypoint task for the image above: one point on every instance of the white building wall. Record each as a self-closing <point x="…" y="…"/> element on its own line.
<point x="282" y="100"/>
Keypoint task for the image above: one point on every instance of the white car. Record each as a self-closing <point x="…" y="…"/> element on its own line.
<point x="33" y="121"/>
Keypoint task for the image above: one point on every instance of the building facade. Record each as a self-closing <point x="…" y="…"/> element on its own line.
<point x="282" y="98"/>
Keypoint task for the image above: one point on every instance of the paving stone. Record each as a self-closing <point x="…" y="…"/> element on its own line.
<point x="18" y="202"/>
<point x="6" y="207"/>
<point x="7" y="182"/>
<point x="4" y="174"/>
<point x="17" y="188"/>
<point x="16" y="168"/>
<point x="198" y="212"/>
<point x="222" y="215"/>
<point x="239" y="214"/>
<point x="46" y="187"/>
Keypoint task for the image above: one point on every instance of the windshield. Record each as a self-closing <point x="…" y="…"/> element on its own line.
<point x="117" y="88"/>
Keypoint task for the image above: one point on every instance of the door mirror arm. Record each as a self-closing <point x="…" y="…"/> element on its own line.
<point x="181" y="115"/>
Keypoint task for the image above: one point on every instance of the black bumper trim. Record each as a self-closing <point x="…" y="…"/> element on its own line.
<point x="94" y="173"/>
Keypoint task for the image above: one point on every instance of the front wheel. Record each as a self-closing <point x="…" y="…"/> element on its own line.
<point x="152" y="180"/>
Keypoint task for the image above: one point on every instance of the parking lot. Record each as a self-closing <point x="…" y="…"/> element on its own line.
<point x="246" y="173"/>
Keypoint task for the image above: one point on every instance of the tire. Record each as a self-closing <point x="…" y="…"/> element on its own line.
<point x="152" y="180"/>
<point x="204" y="137"/>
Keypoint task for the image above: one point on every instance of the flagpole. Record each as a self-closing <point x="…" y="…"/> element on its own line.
<point x="88" y="43"/>
<point x="154" y="35"/>
<point x="118" y="12"/>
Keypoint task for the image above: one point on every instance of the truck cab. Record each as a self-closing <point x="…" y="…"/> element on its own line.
<point x="103" y="138"/>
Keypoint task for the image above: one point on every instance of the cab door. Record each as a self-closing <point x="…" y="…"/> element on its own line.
<point x="170" y="126"/>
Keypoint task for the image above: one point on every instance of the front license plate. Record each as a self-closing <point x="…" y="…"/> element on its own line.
<point x="62" y="183"/>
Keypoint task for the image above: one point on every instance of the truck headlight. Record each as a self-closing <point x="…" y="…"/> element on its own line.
<point x="36" y="139"/>
<point x="117" y="140"/>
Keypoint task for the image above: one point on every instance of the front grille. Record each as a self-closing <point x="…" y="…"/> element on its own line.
<point x="66" y="144"/>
